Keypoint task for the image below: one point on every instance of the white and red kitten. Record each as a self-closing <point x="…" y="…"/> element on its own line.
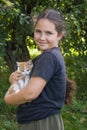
<point x="25" y="69"/>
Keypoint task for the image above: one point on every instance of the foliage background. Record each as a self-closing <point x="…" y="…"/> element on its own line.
<point x="16" y="41"/>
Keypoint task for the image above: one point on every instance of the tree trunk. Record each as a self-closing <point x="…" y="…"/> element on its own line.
<point x="11" y="58"/>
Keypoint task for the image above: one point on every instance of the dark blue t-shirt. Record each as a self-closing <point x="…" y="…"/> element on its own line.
<point x="51" y="67"/>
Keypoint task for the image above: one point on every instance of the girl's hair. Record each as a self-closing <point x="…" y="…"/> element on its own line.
<point x="70" y="91"/>
<point x="53" y="16"/>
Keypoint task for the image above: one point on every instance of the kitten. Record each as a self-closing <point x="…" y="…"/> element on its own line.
<point x="25" y="69"/>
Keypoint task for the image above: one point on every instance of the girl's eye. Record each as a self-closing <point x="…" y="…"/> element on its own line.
<point x="49" y="33"/>
<point x="37" y="31"/>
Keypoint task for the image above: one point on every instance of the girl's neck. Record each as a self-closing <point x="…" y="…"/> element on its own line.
<point x="48" y="49"/>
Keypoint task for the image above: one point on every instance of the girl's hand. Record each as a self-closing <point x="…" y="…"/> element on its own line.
<point x="15" y="76"/>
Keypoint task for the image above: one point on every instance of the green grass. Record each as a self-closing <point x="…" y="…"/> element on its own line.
<point x="8" y="124"/>
<point x="75" y="116"/>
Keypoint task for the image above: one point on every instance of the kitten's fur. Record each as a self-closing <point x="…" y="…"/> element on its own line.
<point x="25" y="69"/>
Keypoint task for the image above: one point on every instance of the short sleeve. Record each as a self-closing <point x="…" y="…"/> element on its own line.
<point x="45" y="66"/>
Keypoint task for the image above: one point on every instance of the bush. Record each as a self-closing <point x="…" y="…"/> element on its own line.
<point x="77" y="70"/>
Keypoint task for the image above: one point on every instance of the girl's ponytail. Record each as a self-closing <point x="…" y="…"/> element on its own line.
<point x="70" y="91"/>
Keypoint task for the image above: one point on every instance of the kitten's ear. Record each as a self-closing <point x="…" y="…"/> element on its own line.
<point x="17" y="63"/>
<point x="30" y="61"/>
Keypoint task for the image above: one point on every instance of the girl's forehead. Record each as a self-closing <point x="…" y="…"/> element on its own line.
<point x="45" y="23"/>
<point x="45" y="20"/>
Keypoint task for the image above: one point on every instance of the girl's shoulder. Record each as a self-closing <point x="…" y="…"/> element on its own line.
<point x="52" y="51"/>
<point x="55" y="51"/>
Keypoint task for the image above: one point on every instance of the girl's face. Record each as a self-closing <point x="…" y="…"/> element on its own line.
<point x="45" y="35"/>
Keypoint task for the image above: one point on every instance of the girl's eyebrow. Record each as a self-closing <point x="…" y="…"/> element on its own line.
<point x="37" y="29"/>
<point x="49" y="32"/>
<point x="46" y="31"/>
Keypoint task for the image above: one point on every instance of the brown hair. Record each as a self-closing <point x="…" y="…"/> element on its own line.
<point x="70" y="91"/>
<point x="54" y="16"/>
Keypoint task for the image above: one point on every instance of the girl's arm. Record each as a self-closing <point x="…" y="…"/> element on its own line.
<point x="29" y="93"/>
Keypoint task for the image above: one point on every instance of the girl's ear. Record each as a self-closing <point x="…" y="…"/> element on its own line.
<point x="60" y="35"/>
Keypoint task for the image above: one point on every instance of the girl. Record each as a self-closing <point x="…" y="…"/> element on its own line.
<point x="40" y="102"/>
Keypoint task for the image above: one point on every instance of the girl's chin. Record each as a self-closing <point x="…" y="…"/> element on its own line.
<point x="43" y="48"/>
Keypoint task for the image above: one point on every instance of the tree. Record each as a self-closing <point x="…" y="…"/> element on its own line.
<point x="16" y="32"/>
<point x="16" y="25"/>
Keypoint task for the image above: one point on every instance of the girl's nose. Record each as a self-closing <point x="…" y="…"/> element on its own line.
<point x="42" y="37"/>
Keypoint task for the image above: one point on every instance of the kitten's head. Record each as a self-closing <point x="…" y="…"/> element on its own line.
<point x="25" y="67"/>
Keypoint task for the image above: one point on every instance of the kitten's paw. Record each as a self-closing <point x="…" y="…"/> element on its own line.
<point x="17" y="90"/>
